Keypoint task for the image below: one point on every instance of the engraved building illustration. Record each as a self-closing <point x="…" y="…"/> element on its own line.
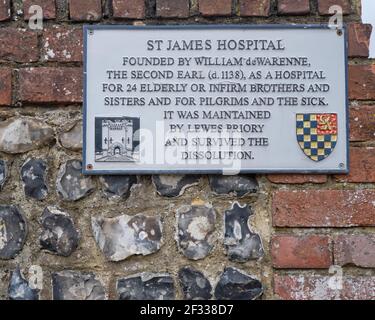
<point x="116" y="139"/>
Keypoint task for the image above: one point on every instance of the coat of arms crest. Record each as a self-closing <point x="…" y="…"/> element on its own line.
<point x="317" y="134"/>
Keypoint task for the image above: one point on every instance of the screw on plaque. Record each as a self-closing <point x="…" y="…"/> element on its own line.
<point x="339" y="32"/>
<point x="91" y="32"/>
<point x="341" y="165"/>
<point x="90" y="167"/>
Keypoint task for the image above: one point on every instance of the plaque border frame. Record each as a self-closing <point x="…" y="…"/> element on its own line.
<point x="87" y="28"/>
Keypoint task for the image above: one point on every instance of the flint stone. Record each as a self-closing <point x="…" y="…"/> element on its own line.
<point x="3" y="173"/>
<point x="241" y="243"/>
<point x="19" y="288"/>
<point x="195" y="231"/>
<point x="173" y="185"/>
<point x="73" y="139"/>
<point x="236" y="285"/>
<point x="71" y="184"/>
<point x="74" y="285"/>
<point x="4" y="283"/>
<point x="13" y="231"/>
<point x="239" y="185"/>
<point x="117" y="186"/>
<point x="19" y="135"/>
<point x="146" y="286"/>
<point x="33" y="174"/>
<point x="125" y="236"/>
<point x="194" y="284"/>
<point x="59" y="235"/>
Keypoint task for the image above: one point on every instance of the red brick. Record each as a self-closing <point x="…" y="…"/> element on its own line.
<point x="362" y="123"/>
<point x="314" y="287"/>
<point x="362" y="166"/>
<point x="50" y="85"/>
<point x="172" y="8"/>
<point x="294" y="7"/>
<point x="301" y="252"/>
<point x="62" y="44"/>
<point x="130" y="9"/>
<point x="359" y="39"/>
<point x="362" y="82"/>
<point x="324" y="5"/>
<point x="358" y="250"/>
<point x="296" y="178"/>
<point x="254" y="8"/>
<point x="48" y="6"/>
<point x="324" y="208"/>
<point x="4" y="10"/>
<point x="18" y="45"/>
<point x="215" y="7"/>
<point x="5" y="86"/>
<point x="87" y="10"/>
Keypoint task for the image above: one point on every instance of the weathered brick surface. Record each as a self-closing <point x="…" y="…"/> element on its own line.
<point x="5" y="86"/>
<point x="356" y="249"/>
<point x="296" y="178"/>
<point x="301" y="252"/>
<point x="63" y="44"/>
<point x="362" y="123"/>
<point x="254" y="8"/>
<point x="88" y="10"/>
<point x="18" y="45"/>
<point x="362" y="82"/>
<point x="129" y="9"/>
<point x="324" y="5"/>
<point x="293" y="7"/>
<point x="314" y="287"/>
<point x="51" y="85"/>
<point x="362" y="166"/>
<point x="172" y="8"/>
<point x="359" y="39"/>
<point x="5" y="10"/>
<point x="215" y="7"/>
<point x="324" y="208"/>
<point x="48" y="6"/>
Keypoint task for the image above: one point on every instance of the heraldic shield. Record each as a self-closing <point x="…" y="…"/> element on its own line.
<point x="317" y="134"/>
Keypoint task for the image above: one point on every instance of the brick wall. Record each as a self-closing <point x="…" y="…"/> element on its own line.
<point x="65" y="230"/>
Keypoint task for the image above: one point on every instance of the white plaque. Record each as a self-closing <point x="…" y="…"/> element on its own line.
<point x="215" y="99"/>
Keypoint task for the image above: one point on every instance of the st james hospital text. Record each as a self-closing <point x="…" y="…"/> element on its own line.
<point x="221" y="45"/>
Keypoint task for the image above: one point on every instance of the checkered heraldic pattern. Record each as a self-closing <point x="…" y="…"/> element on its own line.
<point x="317" y="134"/>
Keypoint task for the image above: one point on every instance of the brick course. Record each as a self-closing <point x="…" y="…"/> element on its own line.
<point x="362" y="82"/>
<point x="324" y="5"/>
<point x="88" y="10"/>
<point x="5" y="86"/>
<point x="215" y="8"/>
<point x="323" y="208"/>
<point x="301" y="252"/>
<point x="18" y="45"/>
<point x="62" y="44"/>
<point x="130" y="9"/>
<point x="51" y="85"/>
<point x="293" y="7"/>
<point x="5" y="10"/>
<point x="172" y="8"/>
<point x="302" y="287"/>
<point x="355" y="249"/>
<point x="254" y="8"/>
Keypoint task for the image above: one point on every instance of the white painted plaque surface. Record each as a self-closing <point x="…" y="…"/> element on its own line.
<point x="215" y="99"/>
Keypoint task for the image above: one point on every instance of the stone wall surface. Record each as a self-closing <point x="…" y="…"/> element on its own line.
<point x="68" y="236"/>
